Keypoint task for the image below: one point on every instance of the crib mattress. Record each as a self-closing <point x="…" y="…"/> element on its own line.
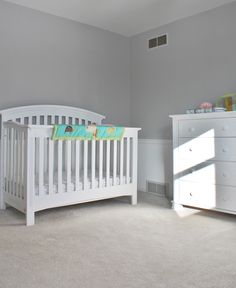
<point x="72" y="184"/>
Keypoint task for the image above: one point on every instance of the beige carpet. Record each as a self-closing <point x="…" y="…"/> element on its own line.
<point x="112" y="244"/>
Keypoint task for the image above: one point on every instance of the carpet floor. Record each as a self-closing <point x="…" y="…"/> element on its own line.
<point x="111" y="244"/>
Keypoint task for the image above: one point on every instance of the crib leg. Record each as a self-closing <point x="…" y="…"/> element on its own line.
<point x="30" y="218"/>
<point x="3" y="206"/>
<point x="134" y="199"/>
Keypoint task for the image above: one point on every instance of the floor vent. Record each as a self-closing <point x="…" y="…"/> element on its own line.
<point x="159" y="189"/>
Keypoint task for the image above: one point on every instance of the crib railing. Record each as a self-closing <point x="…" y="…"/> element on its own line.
<point x="36" y="166"/>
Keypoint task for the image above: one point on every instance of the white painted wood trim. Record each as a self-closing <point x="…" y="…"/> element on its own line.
<point x="36" y="140"/>
<point x="33" y="110"/>
<point x="100" y="163"/>
<point x="212" y="115"/>
<point x="59" y="166"/>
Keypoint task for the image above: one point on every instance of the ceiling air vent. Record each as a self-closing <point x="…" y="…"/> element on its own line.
<point x="152" y="43"/>
<point x="158" y="41"/>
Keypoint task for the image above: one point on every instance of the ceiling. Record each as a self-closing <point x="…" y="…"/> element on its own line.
<point x="126" y="17"/>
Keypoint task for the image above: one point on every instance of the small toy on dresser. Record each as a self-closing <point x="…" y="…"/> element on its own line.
<point x="228" y="100"/>
<point x="205" y="107"/>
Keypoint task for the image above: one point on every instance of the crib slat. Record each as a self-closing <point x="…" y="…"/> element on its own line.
<point x="15" y="163"/>
<point x="32" y="168"/>
<point x="108" y="164"/>
<point x="127" y="160"/>
<point x="59" y="119"/>
<point x="22" y="192"/>
<point x="85" y="164"/>
<point x="114" y="161"/>
<point x="50" y="165"/>
<point x="37" y="120"/>
<point x="45" y="153"/>
<point x="100" y="162"/>
<point x="30" y="120"/>
<point x="8" y="161"/>
<point x="134" y="160"/>
<point x="93" y="162"/>
<point x="4" y="159"/>
<point x="121" y="160"/>
<point x="77" y="164"/>
<point x="68" y="165"/>
<point x="41" y="165"/>
<point x="11" y="159"/>
<point x="59" y="166"/>
<point x="18" y="164"/>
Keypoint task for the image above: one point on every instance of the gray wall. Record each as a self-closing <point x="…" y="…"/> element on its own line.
<point x="199" y="64"/>
<point x="46" y="59"/>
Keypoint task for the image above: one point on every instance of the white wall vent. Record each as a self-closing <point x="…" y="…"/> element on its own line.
<point x="159" y="189"/>
<point x="158" y="41"/>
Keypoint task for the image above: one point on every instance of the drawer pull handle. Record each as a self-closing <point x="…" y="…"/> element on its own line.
<point x="224" y="175"/>
<point x="224" y="150"/>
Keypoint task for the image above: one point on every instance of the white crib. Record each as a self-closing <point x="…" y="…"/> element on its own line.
<point x="37" y="173"/>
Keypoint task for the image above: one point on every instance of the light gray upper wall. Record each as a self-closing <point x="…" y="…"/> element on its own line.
<point x="199" y="64"/>
<point x="47" y="59"/>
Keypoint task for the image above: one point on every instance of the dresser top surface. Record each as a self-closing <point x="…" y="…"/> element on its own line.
<point x="212" y="115"/>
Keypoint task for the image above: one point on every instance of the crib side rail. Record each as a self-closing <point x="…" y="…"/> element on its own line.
<point x="88" y="164"/>
<point x="35" y="163"/>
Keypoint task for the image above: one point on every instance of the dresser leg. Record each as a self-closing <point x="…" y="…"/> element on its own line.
<point x="177" y="207"/>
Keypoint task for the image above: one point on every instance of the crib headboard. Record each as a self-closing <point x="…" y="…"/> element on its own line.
<point x="43" y="115"/>
<point x="50" y="114"/>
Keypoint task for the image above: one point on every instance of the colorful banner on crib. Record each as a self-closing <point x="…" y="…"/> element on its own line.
<point x="90" y="132"/>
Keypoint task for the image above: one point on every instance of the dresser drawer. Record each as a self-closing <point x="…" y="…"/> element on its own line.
<point x="218" y="173"/>
<point x="207" y="128"/>
<point x="207" y="196"/>
<point x="203" y="149"/>
<point x="197" y="194"/>
<point x="226" y="198"/>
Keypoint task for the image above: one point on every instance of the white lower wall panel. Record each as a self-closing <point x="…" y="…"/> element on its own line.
<point x="154" y="162"/>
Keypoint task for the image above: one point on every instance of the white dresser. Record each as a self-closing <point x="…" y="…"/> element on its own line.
<point x="204" y="161"/>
